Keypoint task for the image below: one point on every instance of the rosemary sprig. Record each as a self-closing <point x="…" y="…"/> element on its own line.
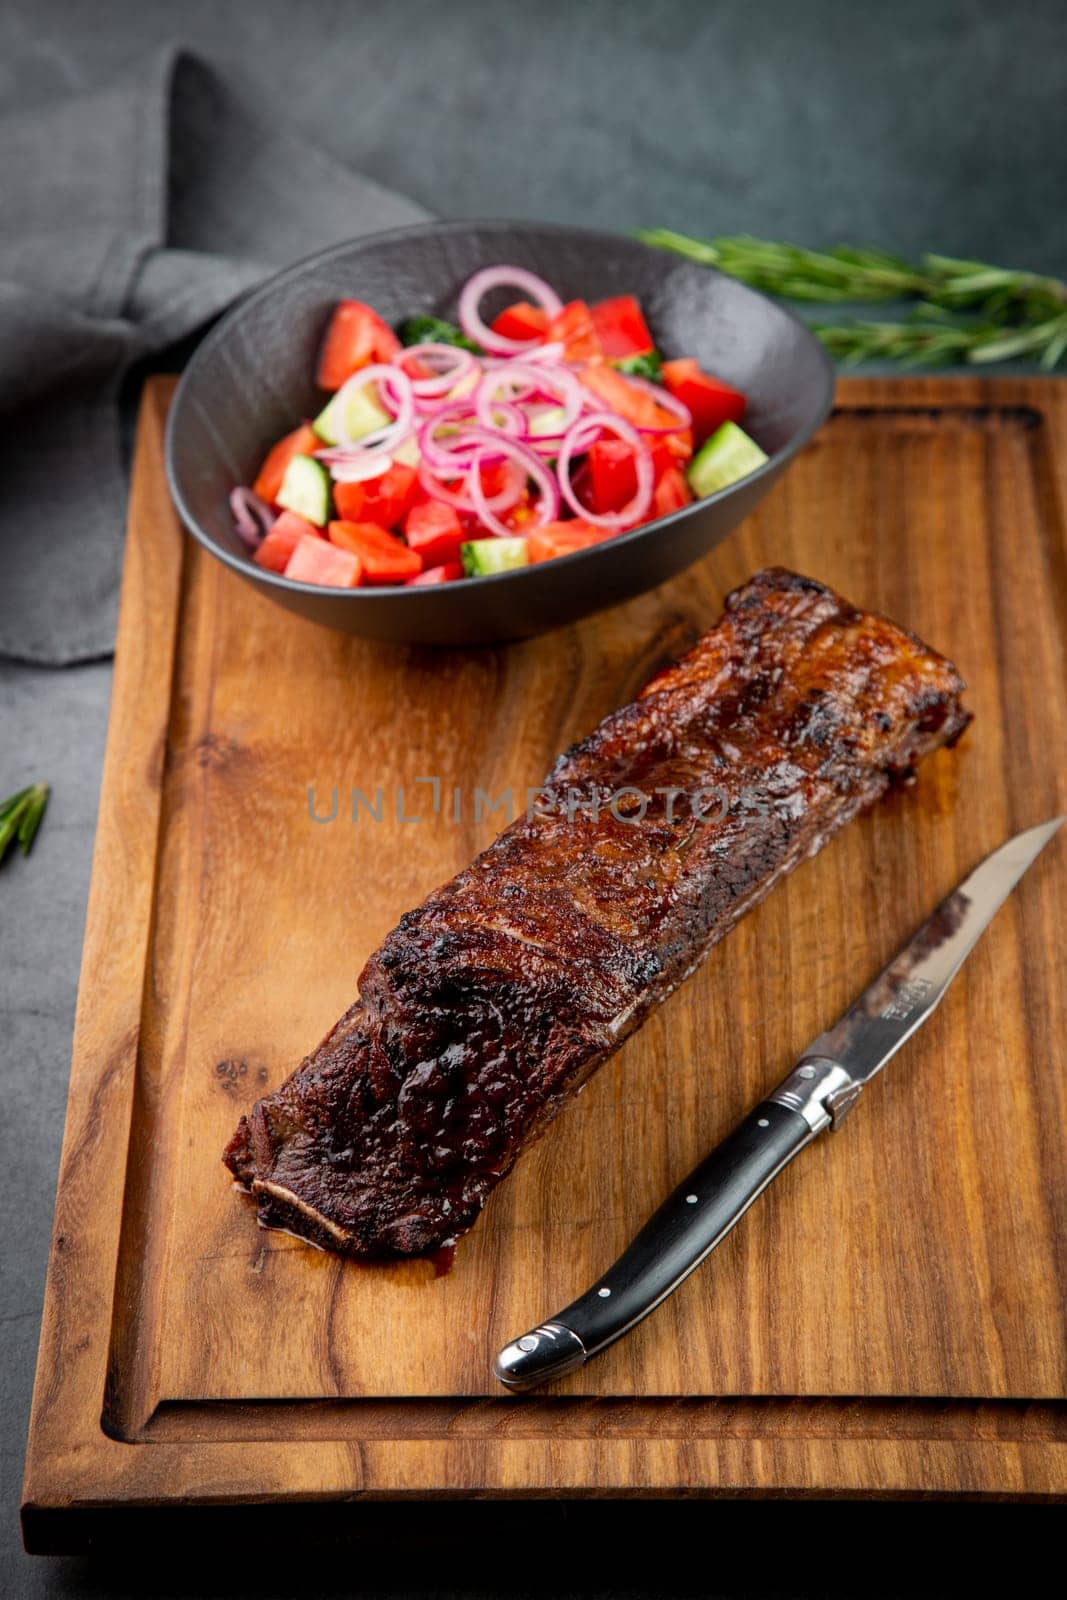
<point x="928" y="341"/>
<point x="20" y="817"/>
<point x="996" y="313"/>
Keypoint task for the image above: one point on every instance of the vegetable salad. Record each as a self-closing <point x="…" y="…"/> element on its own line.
<point x="448" y="452"/>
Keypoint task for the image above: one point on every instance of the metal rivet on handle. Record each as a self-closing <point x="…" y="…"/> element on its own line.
<point x="603" y="1293"/>
<point x="528" y="1342"/>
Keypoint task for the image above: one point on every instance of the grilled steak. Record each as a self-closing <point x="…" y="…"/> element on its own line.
<point x="489" y="1005"/>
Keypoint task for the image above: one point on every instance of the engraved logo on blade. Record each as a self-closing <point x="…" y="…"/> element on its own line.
<point x="908" y="998"/>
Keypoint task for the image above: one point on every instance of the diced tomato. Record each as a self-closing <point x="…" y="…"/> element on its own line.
<point x="573" y="327"/>
<point x="355" y="337"/>
<point x="420" y="495"/>
<point x="446" y="574"/>
<point x="711" y="401"/>
<point x="496" y="476"/>
<point x="519" y="516"/>
<point x="621" y="328"/>
<point x="303" y="441"/>
<point x="383" y="557"/>
<point x="315" y="560"/>
<point x="521" y="321"/>
<point x="581" y="483"/>
<point x="282" y="539"/>
<point x="383" y="500"/>
<point x="612" y="475"/>
<point x="679" y="446"/>
<point x="515" y="519"/>
<point x="563" y="538"/>
<point x="435" y="531"/>
<point x="612" y="481"/>
<point x="631" y="402"/>
<point x="418" y="369"/>
<point x="671" y="493"/>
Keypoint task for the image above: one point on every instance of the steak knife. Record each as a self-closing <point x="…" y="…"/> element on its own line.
<point x="819" y="1092"/>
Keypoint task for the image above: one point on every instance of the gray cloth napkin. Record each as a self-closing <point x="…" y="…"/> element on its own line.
<point x="131" y="216"/>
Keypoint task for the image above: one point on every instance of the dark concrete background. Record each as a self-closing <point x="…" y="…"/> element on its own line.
<point x="920" y="124"/>
<point x="914" y="125"/>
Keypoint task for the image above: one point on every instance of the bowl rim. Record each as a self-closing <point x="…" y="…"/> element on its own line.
<point x="381" y="593"/>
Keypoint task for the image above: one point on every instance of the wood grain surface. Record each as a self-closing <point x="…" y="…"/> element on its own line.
<point x="887" y="1320"/>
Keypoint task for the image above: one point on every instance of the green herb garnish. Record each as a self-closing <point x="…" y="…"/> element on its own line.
<point x="964" y="310"/>
<point x="434" y="330"/>
<point x="649" y="365"/>
<point x="20" y="817"/>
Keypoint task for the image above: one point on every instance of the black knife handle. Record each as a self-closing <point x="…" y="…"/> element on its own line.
<point x="688" y="1225"/>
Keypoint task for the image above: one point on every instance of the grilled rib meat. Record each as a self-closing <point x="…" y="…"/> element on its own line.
<point x="489" y="1005"/>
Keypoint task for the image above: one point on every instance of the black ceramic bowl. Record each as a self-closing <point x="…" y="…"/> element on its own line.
<point x="252" y="380"/>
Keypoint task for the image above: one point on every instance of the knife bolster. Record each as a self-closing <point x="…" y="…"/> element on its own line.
<point x="821" y="1090"/>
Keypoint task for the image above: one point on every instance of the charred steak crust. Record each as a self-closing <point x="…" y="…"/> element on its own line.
<point x="491" y="1003"/>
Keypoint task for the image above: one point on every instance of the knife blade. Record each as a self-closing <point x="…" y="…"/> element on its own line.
<point x="817" y="1094"/>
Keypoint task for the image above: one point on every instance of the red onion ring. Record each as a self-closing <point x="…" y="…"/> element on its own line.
<point x="426" y="405"/>
<point x="488" y="409"/>
<point x="483" y="508"/>
<point x="557" y="383"/>
<point x="496" y="444"/>
<point x="461" y="499"/>
<point x="350" y="466"/>
<point x="396" y="394"/>
<point x="668" y="401"/>
<point x="430" y="388"/>
<point x="519" y="385"/>
<point x="457" y="415"/>
<point x="457" y="452"/>
<point x="515" y="425"/>
<point x="493" y="278"/>
<point x="579" y="438"/>
<point x="252" y="517"/>
<point x="543" y="354"/>
<point x="547" y="353"/>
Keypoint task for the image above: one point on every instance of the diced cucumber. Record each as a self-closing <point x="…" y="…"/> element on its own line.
<point x="547" y="421"/>
<point x="408" y="453"/>
<point x="482" y="556"/>
<point x="724" y="458"/>
<point x="466" y="385"/>
<point x="306" y="490"/>
<point x="363" y="415"/>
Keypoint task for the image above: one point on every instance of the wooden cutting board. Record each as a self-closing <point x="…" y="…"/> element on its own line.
<point x="887" y="1320"/>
